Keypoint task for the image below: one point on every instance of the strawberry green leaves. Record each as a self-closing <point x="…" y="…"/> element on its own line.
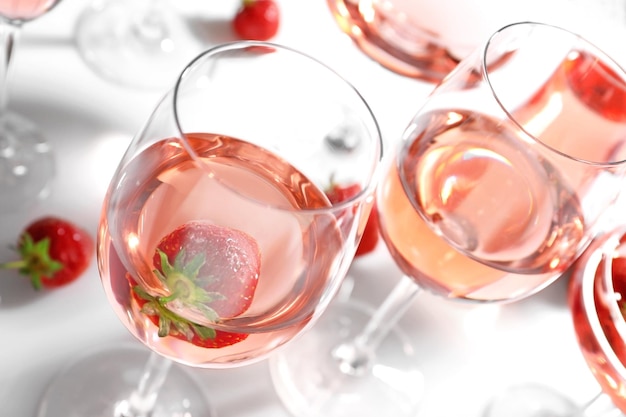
<point x="205" y="268"/>
<point x="53" y="252"/>
<point x="156" y="306"/>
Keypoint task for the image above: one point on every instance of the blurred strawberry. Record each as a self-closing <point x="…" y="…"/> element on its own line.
<point x="53" y="252"/>
<point x="257" y="20"/>
<point x="338" y="193"/>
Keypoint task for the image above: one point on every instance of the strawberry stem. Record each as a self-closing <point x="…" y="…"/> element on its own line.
<point x="156" y="306"/>
<point x="181" y="279"/>
<point x="35" y="261"/>
<point x="14" y="264"/>
<point x="23" y="268"/>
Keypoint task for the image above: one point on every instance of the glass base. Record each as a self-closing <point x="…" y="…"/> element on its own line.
<point x="134" y="43"/>
<point x="310" y="382"/>
<point x="26" y="163"/>
<point x="530" y="400"/>
<point x="98" y="384"/>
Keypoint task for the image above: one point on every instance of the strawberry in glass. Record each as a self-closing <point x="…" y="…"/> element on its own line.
<point x="207" y="268"/>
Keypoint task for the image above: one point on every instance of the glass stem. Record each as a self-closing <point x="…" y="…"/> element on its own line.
<point x="599" y="406"/>
<point x="142" y="401"/>
<point x="355" y="356"/>
<point x="8" y="34"/>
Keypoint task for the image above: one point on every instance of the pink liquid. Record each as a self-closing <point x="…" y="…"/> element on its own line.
<point x="489" y="196"/>
<point x="21" y="10"/>
<point x="238" y="186"/>
<point x="461" y="188"/>
<point x="395" y="42"/>
<point x="597" y="321"/>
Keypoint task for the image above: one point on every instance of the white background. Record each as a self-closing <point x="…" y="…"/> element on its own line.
<point x="467" y="353"/>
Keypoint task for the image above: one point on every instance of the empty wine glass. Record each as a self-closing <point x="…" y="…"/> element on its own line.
<point x="596" y="296"/>
<point x="499" y="183"/>
<point x="135" y="43"/>
<point x="217" y="243"/>
<point x="26" y="160"/>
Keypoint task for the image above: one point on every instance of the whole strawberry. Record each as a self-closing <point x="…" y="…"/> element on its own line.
<point x="53" y="252"/>
<point x="257" y="20"/>
<point x="207" y="268"/>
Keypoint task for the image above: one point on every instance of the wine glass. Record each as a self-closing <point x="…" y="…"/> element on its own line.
<point x="499" y="183"/>
<point x="26" y="159"/>
<point x="425" y="40"/>
<point x="596" y="296"/>
<point x="135" y="43"/>
<point x="217" y="243"/>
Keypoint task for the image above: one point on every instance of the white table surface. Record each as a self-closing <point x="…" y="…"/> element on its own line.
<point x="467" y="352"/>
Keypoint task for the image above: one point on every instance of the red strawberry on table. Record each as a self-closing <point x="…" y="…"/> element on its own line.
<point x="211" y="269"/>
<point x="596" y="85"/>
<point x="371" y="234"/>
<point x="53" y="252"/>
<point x="257" y="20"/>
<point x="338" y="193"/>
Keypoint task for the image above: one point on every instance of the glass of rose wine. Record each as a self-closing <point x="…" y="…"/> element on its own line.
<point x="135" y="43"/>
<point x="26" y="160"/>
<point x="425" y="39"/>
<point x="217" y="241"/>
<point x="597" y="300"/>
<point x="498" y="185"/>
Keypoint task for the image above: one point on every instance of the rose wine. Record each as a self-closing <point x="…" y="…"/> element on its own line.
<point x="597" y="301"/>
<point x="490" y="202"/>
<point x="21" y="10"/>
<point x="475" y="208"/>
<point x="234" y="185"/>
<point x="426" y="39"/>
<point x="393" y="39"/>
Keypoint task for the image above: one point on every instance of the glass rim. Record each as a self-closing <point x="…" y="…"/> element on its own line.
<point x="377" y="137"/>
<point x="602" y="257"/>
<point x="486" y="74"/>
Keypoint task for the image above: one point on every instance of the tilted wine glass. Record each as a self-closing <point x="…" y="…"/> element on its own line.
<point x="135" y="43"/>
<point x="596" y="297"/>
<point x="499" y="183"/>
<point x="26" y="159"/>
<point x="425" y="39"/>
<point x="217" y="243"/>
